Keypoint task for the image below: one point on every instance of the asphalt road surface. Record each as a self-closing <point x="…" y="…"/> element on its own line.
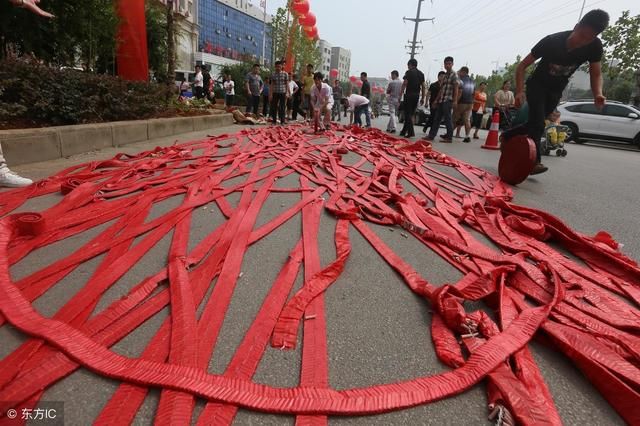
<point x="378" y="331"/>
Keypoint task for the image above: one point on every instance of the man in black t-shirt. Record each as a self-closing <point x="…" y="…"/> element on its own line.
<point x="413" y="84"/>
<point x="560" y="55"/>
<point x="365" y="90"/>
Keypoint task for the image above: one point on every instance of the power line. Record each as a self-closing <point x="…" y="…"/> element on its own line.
<point x="515" y="30"/>
<point x="415" y="44"/>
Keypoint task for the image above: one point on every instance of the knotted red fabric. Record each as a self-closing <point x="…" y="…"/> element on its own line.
<point x="589" y="310"/>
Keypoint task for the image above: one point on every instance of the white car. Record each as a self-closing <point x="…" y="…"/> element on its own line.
<point x="616" y="122"/>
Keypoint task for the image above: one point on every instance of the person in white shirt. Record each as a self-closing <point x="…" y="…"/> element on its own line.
<point x="393" y="99"/>
<point x="322" y="101"/>
<point x="293" y="88"/>
<point x="229" y="90"/>
<point x="504" y="97"/>
<point x="358" y="104"/>
<point x="198" y="83"/>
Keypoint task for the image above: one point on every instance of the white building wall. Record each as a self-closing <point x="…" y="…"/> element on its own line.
<point x="341" y="60"/>
<point x="325" y="62"/>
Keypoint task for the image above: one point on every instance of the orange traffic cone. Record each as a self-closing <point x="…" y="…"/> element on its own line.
<point x="492" y="138"/>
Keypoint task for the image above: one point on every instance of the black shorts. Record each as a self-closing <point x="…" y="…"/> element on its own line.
<point x="476" y="119"/>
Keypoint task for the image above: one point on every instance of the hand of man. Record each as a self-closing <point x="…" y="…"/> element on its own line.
<point x="32" y="6"/>
<point x="520" y="99"/>
<point x="599" y="101"/>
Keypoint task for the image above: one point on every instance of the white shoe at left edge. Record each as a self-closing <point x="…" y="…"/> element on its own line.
<point x="12" y="180"/>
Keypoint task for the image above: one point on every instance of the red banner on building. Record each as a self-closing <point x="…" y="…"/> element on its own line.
<point x="132" y="41"/>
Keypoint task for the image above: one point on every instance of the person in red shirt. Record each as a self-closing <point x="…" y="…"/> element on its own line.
<point x="479" y="105"/>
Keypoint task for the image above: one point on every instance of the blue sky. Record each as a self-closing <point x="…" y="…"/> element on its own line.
<point x="477" y="33"/>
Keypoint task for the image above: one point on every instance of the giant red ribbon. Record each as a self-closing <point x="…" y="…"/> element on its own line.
<point x="589" y="311"/>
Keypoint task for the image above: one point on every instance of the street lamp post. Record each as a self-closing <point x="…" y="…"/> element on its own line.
<point x="264" y="32"/>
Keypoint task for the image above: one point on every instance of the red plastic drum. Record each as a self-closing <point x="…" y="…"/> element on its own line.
<point x="517" y="159"/>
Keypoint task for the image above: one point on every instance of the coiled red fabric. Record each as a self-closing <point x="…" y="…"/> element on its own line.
<point x="589" y="311"/>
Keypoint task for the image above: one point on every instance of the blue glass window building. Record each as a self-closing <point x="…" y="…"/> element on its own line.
<point x="233" y="29"/>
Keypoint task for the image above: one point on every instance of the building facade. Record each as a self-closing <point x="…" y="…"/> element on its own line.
<point x="341" y="60"/>
<point x="232" y="31"/>
<point x="325" y="57"/>
<point x="187" y="34"/>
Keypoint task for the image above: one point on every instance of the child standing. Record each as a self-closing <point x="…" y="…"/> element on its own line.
<point x="229" y="90"/>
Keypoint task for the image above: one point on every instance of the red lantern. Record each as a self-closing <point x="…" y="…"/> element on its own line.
<point x="300" y="7"/>
<point x="308" y="20"/>
<point x="333" y="73"/>
<point x="312" y="33"/>
<point x="353" y="78"/>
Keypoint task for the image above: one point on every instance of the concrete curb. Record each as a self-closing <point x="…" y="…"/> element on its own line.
<point x="34" y="145"/>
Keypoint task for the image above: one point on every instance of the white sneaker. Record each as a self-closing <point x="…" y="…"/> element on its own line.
<point x="12" y="180"/>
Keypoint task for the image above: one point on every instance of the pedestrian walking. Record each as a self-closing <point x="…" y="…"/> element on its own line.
<point x="560" y="54"/>
<point x="278" y="93"/>
<point x="479" y="106"/>
<point x="296" y="107"/>
<point x="432" y="94"/>
<point x="365" y="90"/>
<point x="229" y="90"/>
<point x="337" y="96"/>
<point x="293" y="89"/>
<point x="198" y="83"/>
<point x="322" y="100"/>
<point x="393" y="100"/>
<point x="253" y="86"/>
<point x="297" y="100"/>
<point x="206" y="82"/>
<point x="462" y="112"/>
<point x="308" y="82"/>
<point x="412" y="86"/>
<point x="447" y="100"/>
<point x="265" y="97"/>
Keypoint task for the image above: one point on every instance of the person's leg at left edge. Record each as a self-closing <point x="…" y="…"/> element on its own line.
<point x="8" y="178"/>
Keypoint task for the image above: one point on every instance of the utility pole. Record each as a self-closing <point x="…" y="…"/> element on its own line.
<point x="413" y="45"/>
<point x="496" y="63"/>
<point x="582" y="10"/>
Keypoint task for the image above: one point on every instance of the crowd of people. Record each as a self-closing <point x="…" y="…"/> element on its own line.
<point x="454" y="99"/>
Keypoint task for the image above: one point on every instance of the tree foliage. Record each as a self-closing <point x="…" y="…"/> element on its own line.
<point x="71" y="97"/>
<point x="305" y="51"/>
<point x="83" y="32"/>
<point x="156" y="19"/>
<point x="622" y="44"/>
<point x="497" y="79"/>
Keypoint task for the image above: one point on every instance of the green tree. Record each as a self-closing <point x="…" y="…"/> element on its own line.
<point x="305" y="51"/>
<point x="622" y="44"/>
<point x="156" y="19"/>
<point x="83" y="32"/>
